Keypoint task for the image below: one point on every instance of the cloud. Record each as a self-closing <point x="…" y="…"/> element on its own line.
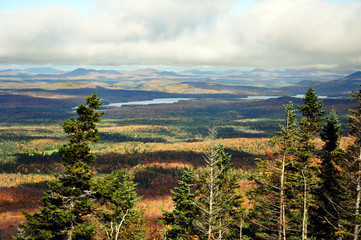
<point x="271" y="34"/>
<point x="305" y="32"/>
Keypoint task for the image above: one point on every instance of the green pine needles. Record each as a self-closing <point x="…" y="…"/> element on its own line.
<point x="180" y="220"/>
<point x="71" y="198"/>
<point x="207" y="207"/>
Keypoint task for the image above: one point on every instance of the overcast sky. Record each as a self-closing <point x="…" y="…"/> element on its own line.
<point x="272" y="34"/>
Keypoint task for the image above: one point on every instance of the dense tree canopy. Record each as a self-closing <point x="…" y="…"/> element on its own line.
<point x="299" y="190"/>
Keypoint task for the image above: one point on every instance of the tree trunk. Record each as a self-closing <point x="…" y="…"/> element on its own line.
<point x="70" y="233"/>
<point x="210" y="219"/>
<point x="304" y="217"/>
<point x="241" y="229"/>
<point x="357" y="206"/>
<point x="220" y="233"/>
<point x="120" y="224"/>
<point x="282" y="228"/>
<point x="358" y="199"/>
<point x="282" y="217"/>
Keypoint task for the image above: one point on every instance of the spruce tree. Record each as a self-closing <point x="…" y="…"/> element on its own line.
<point x="180" y="221"/>
<point x="331" y="133"/>
<point x="312" y="115"/>
<point x="306" y="167"/>
<point x="355" y="157"/>
<point x="119" y="217"/>
<point x="219" y="204"/>
<point x="270" y="213"/>
<point x="349" y="222"/>
<point x="70" y="200"/>
<point x="285" y="144"/>
<point x="325" y="217"/>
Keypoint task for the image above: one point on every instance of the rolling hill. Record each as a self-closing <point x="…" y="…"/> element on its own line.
<point x="158" y="82"/>
<point x="332" y="88"/>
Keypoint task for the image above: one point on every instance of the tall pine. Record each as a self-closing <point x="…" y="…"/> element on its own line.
<point x="270" y="213"/>
<point x="325" y="217"/>
<point x="355" y="160"/>
<point x="70" y="200"/>
<point x="180" y="221"/>
<point x="219" y="203"/>
<point x="118" y="216"/>
<point x="306" y="166"/>
<point x="331" y="133"/>
<point x="349" y="221"/>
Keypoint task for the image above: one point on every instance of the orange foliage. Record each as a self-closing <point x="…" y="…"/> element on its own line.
<point x="251" y="145"/>
<point x="15" y="180"/>
<point x="153" y="206"/>
<point x="18" y="193"/>
<point x="134" y="128"/>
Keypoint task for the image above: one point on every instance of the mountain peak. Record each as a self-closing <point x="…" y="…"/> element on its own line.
<point x="82" y="70"/>
<point x="79" y="72"/>
<point x="355" y="75"/>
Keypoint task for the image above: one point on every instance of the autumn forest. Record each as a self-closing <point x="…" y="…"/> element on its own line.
<point x="282" y="168"/>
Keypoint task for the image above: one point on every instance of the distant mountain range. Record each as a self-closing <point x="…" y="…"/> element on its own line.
<point x="194" y="81"/>
<point x="338" y="87"/>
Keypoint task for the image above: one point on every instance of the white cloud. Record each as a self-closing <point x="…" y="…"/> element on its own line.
<point x="271" y="34"/>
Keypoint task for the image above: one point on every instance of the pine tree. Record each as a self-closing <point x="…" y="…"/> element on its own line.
<point x="270" y="213"/>
<point x="218" y="202"/>
<point x="355" y="153"/>
<point x="70" y="200"/>
<point x="306" y="168"/>
<point x="118" y="197"/>
<point x="286" y="143"/>
<point x="331" y="133"/>
<point x="325" y="217"/>
<point x="180" y="221"/>
<point x="349" y="221"/>
<point x="21" y="234"/>
<point x="312" y="115"/>
<point x="265" y="201"/>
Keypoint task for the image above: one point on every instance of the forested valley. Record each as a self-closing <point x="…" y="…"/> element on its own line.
<point x="180" y="120"/>
<point x="196" y="171"/>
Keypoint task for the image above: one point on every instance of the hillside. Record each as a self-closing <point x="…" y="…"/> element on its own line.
<point x="157" y="83"/>
<point x="140" y="77"/>
<point x="159" y="139"/>
<point x="338" y="87"/>
<point x="212" y="88"/>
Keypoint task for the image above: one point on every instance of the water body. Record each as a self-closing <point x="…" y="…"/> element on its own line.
<point x="175" y="100"/>
<point x="270" y="97"/>
<point x="259" y="97"/>
<point x="303" y="95"/>
<point x="148" y="102"/>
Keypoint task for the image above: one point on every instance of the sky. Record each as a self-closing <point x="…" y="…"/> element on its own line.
<point x="270" y="34"/>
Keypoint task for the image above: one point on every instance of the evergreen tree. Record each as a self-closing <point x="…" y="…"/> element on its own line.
<point x="286" y="144"/>
<point x="355" y="157"/>
<point x="312" y="115"/>
<point x="325" y="217"/>
<point x="270" y="213"/>
<point x="331" y="133"/>
<point x="118" y="197"/>
<point x="180" y="221"/>
<point x="218" y="203"/>
<point x="21" y="234"/>
<point x="306" y="168"/>
<point x="349" y="222"/>
<point x="70" y="200"/>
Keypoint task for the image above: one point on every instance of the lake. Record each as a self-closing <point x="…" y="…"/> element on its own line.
<point x="270" y="97"/>
<point x="148" y="102"/>
<point x="175" y="100"/>
<point x="303" y="95"/>
<point x="259" y="97"/>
